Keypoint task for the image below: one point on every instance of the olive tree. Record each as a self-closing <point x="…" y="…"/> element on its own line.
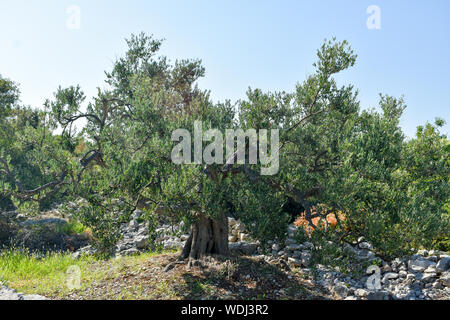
<point x="331" y="156"/>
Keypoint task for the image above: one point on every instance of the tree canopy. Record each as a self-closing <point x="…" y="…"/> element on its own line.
<point x="334" y="157"/>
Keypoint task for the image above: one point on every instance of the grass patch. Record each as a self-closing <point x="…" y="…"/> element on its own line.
<point x="47" y="275"/>
<point x="30" y="273"/>
<point x="144" y="277"/>
<point x="74" y="227"/>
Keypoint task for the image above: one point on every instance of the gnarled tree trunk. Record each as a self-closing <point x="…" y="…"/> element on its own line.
<point x="208" y="237"/>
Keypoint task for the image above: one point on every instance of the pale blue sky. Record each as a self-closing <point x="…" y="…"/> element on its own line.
<point x="263" y="44"/>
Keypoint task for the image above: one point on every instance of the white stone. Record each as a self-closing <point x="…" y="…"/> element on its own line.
<point x="294" y="247"/>
<point x="294" y="262"/>
<point x="443" y="264"/>
<point x="437" y="285"/>
<point x="361" y="293"/>
<point x="388" y="276"/>
<point x="420" y="264"/>
<point x="306" y="258"/>
<point x="445" y="279"/>
<point x="341" y="290"/>
<point x="402" y="274"/>
<point x="428" y="277"/>
<point x="365" y="245"/>
<point x="423" y="253"/>
<point x="231" y="221"/>
<point x="141" y="242"/>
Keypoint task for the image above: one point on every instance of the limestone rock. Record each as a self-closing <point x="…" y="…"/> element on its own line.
<point x="341" y="290"/>
<point x="389" y="275"/>
<point x="7" y="293"/>
<point x="141" y="242"/>
<point x="378" y="295"/>
<point x="445" y="279"/>
<point x="246" y="248"/>
<point x="443" y="264"/>
<point x="419" y="264"/>
<point x="362" y="293"/>
<point x="294" y="262"/>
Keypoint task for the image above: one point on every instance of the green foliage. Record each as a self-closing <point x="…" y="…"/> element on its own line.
<point x="427" y="174"/>
<point x="104" y="220"/>
<point x="31" y="156"/>
<point x="73" y="227"/>
<point x="9" y="97"/>
<point x="21" y="265"/>
<point x="262" y="215"/>
<point x="48" y="275"/>
<point x="332" y="155"/>
<point x="332" y="254"/>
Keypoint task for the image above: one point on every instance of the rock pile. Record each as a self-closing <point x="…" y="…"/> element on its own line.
<point x="47" y="232"/>
<point x="424" y="276"/>
<point x="237" y="231"/>
<point x="135" y="238"/>
<point x="11" y="294"/>
<point x="239" y="240"/>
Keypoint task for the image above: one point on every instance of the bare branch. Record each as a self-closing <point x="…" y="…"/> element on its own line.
<point x="27" y="194"/>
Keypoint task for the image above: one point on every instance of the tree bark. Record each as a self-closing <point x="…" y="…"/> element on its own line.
<point x="208" y="237"/>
